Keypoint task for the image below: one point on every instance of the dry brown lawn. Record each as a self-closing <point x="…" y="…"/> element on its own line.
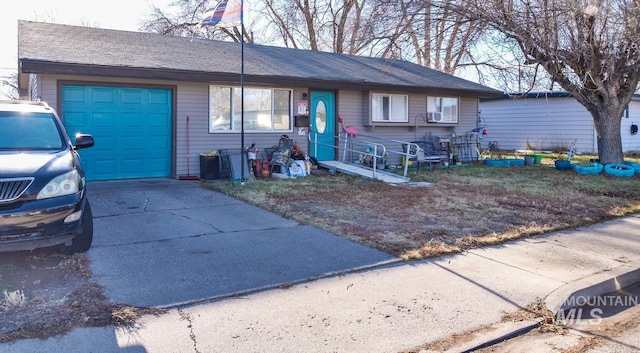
<point x="463" y="207"/>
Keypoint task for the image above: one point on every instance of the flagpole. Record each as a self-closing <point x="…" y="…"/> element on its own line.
<point x="224" y="16"/>
<point x="244" y="153"/>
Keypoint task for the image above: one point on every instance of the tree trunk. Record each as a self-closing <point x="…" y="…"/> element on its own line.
<point x="607" y="121"/>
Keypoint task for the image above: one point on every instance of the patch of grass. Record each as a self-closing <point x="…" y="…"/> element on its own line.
<point x="465" y="207"/>
<point x="14" y="298"/>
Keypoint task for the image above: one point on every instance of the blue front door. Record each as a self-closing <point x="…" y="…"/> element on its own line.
<point x="323" y="125"/>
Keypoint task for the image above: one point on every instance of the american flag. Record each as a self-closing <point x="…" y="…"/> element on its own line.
<point x="227" y="13"/>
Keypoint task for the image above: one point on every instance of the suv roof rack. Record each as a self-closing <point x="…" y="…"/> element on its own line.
<point x="45" y="105"/>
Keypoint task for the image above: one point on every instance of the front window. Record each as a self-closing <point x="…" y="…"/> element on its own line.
<point x="264" y="109"/>
<point x="390" y="107"/>
<point x="442" y="110"/>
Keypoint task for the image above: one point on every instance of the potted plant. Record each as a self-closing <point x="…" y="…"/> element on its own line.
<point x="563" y="161"/>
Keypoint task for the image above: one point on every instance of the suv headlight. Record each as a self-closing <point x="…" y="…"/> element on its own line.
<point x="62" y="185"/>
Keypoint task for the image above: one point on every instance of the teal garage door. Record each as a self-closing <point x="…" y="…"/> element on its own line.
<point x="131" y="127"/>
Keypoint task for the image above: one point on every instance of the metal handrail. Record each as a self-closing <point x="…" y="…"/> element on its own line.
<point x="374" y="153"/>
<point x="347" y="146"/>
<point x="406" y="152"/>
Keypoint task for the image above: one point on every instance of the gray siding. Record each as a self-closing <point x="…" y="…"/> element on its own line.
<point x="192" y="101"/>
<point x="546" y="123"/>
<point x="354" y="105"/>
<point x="538" y="123"/>
<point x="631" y="142"/>
<point x="46" y="90"/>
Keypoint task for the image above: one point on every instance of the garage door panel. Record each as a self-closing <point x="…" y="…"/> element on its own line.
<point x="158" y="143"/>
<point x="103" y="168"/>
<point x="104" y="144"/>
<point x="131" y="144"/>
<point x="159" y="121"/>
<point x="104" y="119"/>
<point x="158" y="97"/>
<point x="157" y="165"/>
<point x="133" y="165"/>
<point x="105" y="95"/>
<point x="136" y="120"/>
<point x="132" y="136"/>
<point x="132" y="96"/>
<point x="74" y="95"/>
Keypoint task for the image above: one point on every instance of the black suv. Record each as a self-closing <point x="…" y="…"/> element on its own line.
<point x="43" y="198"/>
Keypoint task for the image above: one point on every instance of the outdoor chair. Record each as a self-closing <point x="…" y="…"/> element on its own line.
<point x="429" y="152"/>
<point x="281" y="157"/>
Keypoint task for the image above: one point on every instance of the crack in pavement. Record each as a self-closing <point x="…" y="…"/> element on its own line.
<point x="146" y="203"/>
<point x="189" y="319"/>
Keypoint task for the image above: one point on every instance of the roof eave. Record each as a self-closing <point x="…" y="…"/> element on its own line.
<point x="48" y="67"/>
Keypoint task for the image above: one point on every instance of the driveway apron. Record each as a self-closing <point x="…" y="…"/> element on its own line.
<point x="166" y="243"/>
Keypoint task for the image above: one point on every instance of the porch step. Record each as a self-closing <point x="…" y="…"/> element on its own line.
<point x="354" y="169"/>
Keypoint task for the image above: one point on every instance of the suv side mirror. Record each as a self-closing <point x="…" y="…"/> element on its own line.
<point x="84" y="141"/>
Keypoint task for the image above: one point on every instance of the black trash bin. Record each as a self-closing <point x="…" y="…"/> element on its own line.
<point x="209" y="167"/>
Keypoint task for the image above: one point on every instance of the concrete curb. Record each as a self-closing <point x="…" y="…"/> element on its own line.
<point x="591" y="286"/>
<point x="502" y="332"/>
<point x="194" y="302"/>
<point x="595" y="285"/>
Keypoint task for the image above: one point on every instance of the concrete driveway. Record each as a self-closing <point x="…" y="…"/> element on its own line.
<point x="166" y="242"/>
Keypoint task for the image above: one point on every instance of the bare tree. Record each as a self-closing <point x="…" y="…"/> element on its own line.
<point x="429" y="33"/>
<point x="10" y="86"/>
<point x="181" y="19"/>
<point x="344" y="26"/>
<point x="441" y="38"/>
<point x="591" y="52"/>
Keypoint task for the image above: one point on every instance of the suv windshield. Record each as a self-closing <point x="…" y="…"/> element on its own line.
<point x="29" y="131"/>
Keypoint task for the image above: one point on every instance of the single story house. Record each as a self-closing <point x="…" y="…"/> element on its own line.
<point x="549" y="121"/>
<point x="155" y="102"/>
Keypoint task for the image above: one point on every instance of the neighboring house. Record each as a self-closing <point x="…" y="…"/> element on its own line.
<point x="549" y="121"/>
<point x="137" y="93"/>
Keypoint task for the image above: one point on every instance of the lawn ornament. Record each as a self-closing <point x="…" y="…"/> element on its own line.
<point x="350" y="130"/>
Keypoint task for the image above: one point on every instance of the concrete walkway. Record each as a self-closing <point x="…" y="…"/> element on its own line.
<point x="372" y="304"/>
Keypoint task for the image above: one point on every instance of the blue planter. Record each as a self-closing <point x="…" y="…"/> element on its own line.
<point x="594" y="168"/>
<point x="619" y="170"/>
<point x="563" y="165"/>
<point x="515" y="161"/>
<point x="636" y="166"/>
<point x="497" y="162"/>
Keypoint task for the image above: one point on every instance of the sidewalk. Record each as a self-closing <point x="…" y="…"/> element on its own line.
<point x="387" y="309"/>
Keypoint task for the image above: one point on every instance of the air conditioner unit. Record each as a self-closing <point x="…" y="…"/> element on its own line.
<point x="434" y="117"/>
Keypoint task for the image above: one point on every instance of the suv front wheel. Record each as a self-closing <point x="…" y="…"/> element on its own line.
<point x="82" y="242"/>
